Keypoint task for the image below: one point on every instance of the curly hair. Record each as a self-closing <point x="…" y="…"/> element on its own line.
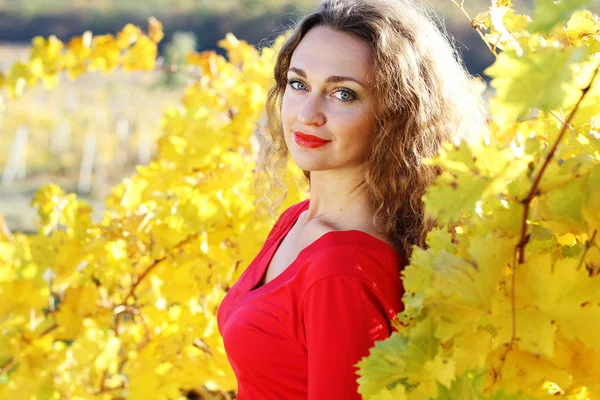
<point x="423" y="100"/>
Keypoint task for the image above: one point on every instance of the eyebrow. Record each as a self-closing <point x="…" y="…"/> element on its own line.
<point x="331" y="79"/>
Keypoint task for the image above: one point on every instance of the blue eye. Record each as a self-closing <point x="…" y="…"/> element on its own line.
<point x="346" y="97"/>
<point x="349" y="95"/>
<point x="291" y="82"/>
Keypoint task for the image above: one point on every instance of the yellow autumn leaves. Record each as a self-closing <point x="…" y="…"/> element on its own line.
<point x="131" y="49"/>
<point x="505" y="301"/>
<point x="127" y="306"/>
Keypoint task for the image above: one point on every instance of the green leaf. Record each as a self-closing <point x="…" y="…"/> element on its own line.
<point x="465" y="387"/>
<point x="549" y="13"/>
<point x="560" y="172"/>
<point x="461" y="291"/>
<point x="450" y="196"/>
<point x="591" y="206"/>
<point x="398" y="392"/>
<point x="441" y="240"/>
<point x="472" y="172"/>
<point x="538" y="79"/>
<point x="561" y="208"/>
<point x="501" y="217"/>
<point x="469" y="385"/>
<point x="416" y="277"/>
<point x="396" y="359"/>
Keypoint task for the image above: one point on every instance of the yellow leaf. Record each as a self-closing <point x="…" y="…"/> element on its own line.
<point x="582" y="361"/>
<point x="549" y="13"/>
<point x="582" y="28"/>
<point x="108" y="357"/>
<point x="208" y="61"/>
<point x="19" y="78"/>
<point x="462" y="291"/>
<point x="238" y="51"/>
<point x="155" y="30"/>
<point x="128" y="35"/>
<point x="79" y="50"/>
<point x="561" y="208"/>
<point x="537" y="79"/>
<point x="46" y="59"/>
<point x="396" y="393"/>
<point x="591" y="205"/>
<point x="141" y="56"/>
<point x="21" y="296"/>
<point x="77" y="304"/>
<point x="105" y="53"/>
<point x="471" y="350"/>
<point x="566" y="295"/>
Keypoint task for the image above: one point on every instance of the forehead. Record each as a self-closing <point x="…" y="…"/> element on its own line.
<point x="323" y="52"/>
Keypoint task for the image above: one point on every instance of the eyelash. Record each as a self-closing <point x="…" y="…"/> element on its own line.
<point x="350" y="92"/>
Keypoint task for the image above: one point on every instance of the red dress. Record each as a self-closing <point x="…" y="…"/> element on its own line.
<point x="299" y="335"/>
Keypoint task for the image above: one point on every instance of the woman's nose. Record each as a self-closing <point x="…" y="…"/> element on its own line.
<point x="310" y="112"/>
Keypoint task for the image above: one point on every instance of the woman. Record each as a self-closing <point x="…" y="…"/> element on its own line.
<point x="364" y="90"/>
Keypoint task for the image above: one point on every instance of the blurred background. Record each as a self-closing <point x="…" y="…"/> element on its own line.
<point x="89" y="134"/>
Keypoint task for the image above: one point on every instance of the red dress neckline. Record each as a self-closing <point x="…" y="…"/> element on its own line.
<point x="245" y="290"/>
<point x="327" y="239"/>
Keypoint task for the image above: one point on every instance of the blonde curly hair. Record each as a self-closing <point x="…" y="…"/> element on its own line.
<point x="423" y="100"/>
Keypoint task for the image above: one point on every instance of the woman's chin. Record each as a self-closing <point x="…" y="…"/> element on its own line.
<point x="309" y="163"/>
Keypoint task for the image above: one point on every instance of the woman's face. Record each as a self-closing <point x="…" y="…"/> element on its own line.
<point x="328" y="96"/>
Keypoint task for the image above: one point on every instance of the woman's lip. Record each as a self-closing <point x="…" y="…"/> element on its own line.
<point x="308" y="137"/>
<point x="310" y="143"/>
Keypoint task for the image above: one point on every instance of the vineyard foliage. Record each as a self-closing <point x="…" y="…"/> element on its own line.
<point x="504" y="305"/>
<point x="127" y="307"/>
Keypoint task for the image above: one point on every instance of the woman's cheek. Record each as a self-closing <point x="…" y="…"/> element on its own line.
<point x="287" y="109"/>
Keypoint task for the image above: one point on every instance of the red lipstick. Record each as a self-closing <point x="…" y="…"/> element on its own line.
<point x="309" y="141"/>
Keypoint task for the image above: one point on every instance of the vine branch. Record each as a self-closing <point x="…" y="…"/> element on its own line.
<point x="462" y="8"/>
<point x="524" y="238"/>
<point x="588" y="245"/>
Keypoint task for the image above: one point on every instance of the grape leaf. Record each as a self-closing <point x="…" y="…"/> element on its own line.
<point x="469" y="386"/>
<point x="549" y="13"/>
<point x="537" y="79"/>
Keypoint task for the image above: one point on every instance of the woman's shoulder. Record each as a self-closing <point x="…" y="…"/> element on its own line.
<point x="352" y="264"/>
<point x="352" y="253"/>
<point x="334" y="255"/>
